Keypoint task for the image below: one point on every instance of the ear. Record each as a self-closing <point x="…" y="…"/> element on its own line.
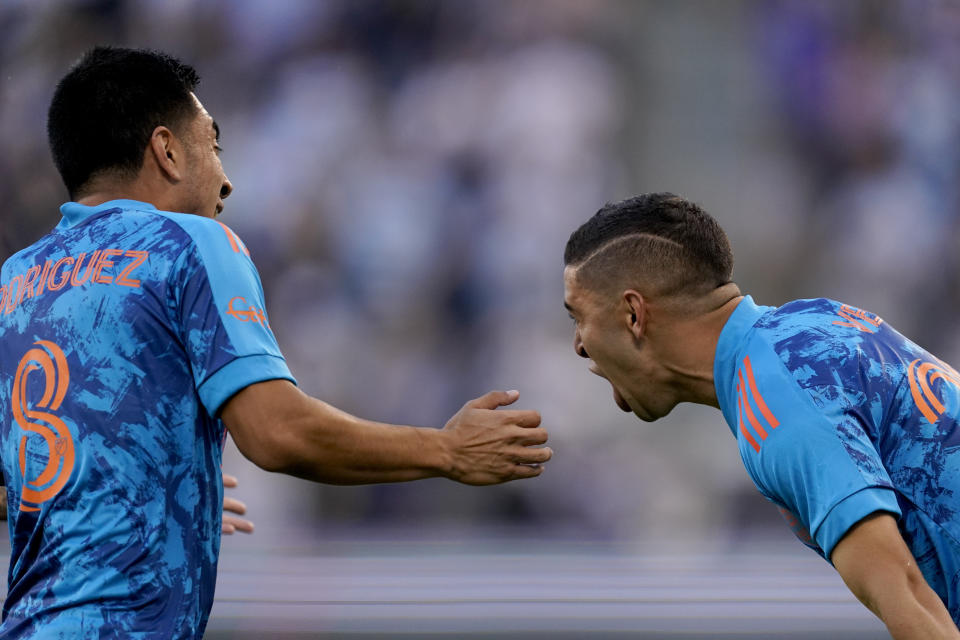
<point x="635" y="312"/>
<point x="167" y="152"/>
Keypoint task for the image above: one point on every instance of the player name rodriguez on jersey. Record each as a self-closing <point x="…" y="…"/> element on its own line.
<point x="69" y="270"/>
<point x="838" y="416"/>
<point x="122" y="333"/>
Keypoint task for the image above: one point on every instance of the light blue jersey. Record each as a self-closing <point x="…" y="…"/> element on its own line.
<point x="122" y="333"/>
<point x="838" y="416"/>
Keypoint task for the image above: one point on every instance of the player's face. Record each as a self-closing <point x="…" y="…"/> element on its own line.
<point x="603" y="335"/>
<point x="206" y="185"/>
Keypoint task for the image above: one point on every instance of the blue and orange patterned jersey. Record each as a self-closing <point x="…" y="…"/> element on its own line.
<point x="122" y="333"/>
<point x="837" y="416"/>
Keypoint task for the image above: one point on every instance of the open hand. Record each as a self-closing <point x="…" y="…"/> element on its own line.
<point x="489" y="446"/>
<point x="233" y="523"/>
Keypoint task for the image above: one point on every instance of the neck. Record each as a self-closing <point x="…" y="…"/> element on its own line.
<point x="148" y="185"/>
<point x="105" y="193"/>
<point x="691" y="343"/>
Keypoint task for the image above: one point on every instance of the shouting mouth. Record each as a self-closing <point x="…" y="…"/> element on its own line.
<point x="616" y="394"/>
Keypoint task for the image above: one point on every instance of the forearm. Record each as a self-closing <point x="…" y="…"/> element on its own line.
<point x="913" y="612"/>
<point x="280" y="428"/>
<point x="880" y="570"/>
<point x="335" y="447"/>
<point x="321" y="443"/>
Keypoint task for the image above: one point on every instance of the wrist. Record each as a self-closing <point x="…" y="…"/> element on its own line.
<point x="438" y="445"/>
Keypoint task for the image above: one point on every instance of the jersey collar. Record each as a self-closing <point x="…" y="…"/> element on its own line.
<point x="75" y="213"/>
<point x="732" y="338"/>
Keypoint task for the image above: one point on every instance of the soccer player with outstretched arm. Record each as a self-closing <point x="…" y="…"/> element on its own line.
<point x="133" y="337"/>
<point x="842" y="422"/>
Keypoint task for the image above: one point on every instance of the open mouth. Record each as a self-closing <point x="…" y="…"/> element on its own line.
<point x="616" y="394"/>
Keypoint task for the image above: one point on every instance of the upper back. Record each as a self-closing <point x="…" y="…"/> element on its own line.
<point x="109" y="327"/>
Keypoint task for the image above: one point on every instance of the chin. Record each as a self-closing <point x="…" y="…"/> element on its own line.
<point x="647" y="416"/>
<point x="643" y="415"/>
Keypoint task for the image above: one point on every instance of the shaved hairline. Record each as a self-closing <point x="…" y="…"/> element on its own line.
<point x="609" y="245"/>
<point x="662" y="269"/>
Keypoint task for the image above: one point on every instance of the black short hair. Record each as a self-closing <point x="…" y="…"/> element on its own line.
<point x="658" y="241"/>
<point x="105" y="109"/>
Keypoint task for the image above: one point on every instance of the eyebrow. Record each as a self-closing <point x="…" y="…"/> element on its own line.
<point x="216" y="130"/>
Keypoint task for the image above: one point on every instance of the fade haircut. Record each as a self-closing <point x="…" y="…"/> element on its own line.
<point x="105" y="109"/>
<point x="659" y="243"/>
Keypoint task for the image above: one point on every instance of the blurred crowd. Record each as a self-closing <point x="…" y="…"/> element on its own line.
<point x="407" y="172"/>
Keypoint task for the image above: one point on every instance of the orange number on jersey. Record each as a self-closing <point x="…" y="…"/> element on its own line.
<point x="50" y="360"/>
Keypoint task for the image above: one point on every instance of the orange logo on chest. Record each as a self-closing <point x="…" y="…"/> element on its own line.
<point x="244" y="312"/>
<point x="857" y="318"/>
<point x="922" y="375"/>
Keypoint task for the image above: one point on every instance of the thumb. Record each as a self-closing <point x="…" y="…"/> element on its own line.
<point x="494" y="399"/>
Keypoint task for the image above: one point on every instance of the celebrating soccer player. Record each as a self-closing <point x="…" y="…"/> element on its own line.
<point x="843" y="423"/>
<point x="132" y="338"/>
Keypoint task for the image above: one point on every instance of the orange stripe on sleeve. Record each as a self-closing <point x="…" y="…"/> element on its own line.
<point x="235" y="242"/>
<point x="745" y="398"/>
<point x="758" y="398"/>
<point x="743" y="428"/>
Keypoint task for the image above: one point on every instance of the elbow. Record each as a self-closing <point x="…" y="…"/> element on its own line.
<point x="271" y="424"/>
<point x="273" y="447"/>
<point x="272" y="462"/>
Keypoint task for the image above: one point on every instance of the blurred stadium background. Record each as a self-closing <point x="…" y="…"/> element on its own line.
<point x="406" y="174"/>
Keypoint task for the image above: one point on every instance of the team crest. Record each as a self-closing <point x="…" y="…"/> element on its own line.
<point x="923" y="376"/>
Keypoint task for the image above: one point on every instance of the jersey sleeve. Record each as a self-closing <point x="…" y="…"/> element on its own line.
<point x="806" y="453"/>
<point x="221" y="316"/>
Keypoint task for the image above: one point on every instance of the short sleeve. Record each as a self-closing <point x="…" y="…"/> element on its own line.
<point x="806" y="453"/>
<point x="221" y="317"/>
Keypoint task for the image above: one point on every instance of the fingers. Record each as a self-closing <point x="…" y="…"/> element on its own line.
<point x="520" y="418"/>
<point x="234" y="505"/>
<point x="530" y="437"/>
<point x="494" y="399"/>
<point x="529" y="456"/>
<point x="491" y="446"/>
<point x="522" y="471"/>
<point x="233" y="524"/>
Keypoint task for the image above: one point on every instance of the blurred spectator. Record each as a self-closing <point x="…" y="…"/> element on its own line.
<point x="407" y="172"/>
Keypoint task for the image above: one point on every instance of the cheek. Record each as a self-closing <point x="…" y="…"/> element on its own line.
<point x="211" y="177"/>
<point x="597" y="347"/>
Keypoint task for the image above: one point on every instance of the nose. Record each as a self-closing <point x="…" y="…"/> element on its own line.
<point x="578" y="345"/>
<point x="226" y="188"/>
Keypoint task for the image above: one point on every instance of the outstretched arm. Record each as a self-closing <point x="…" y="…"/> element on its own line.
<point x="280" y="428"/>
<point x="879" y="569"/>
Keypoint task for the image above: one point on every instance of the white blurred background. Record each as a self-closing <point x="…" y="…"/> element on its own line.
<point x="407" y="172"/>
